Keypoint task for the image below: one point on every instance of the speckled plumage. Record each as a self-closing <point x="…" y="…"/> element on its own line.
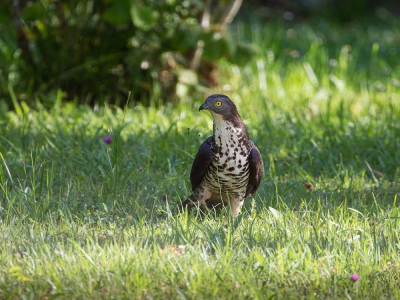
<point x="228" y="166"/>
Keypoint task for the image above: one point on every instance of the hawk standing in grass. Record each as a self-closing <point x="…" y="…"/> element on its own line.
<point x="228" y="166"/>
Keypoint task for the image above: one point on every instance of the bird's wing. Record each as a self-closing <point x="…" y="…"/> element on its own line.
<point x="201" y="162"/>
<point x="256" y="171"/>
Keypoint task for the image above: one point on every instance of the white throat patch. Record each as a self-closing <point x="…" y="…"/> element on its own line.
<point x="227" y="138"/>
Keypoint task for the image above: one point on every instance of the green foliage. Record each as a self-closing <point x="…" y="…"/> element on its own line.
<point x="144" y="17"/>
<point x="97" y="52"/>
<point x="82" y="219"/>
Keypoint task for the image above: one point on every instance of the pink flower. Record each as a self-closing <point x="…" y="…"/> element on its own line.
<point x="354" y="277"/>
<point x="108" y="139"/>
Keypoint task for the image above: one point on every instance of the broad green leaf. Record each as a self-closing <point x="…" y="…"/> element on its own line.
<point x="33" y="12"/>
<point x="215" y="48"/>
<point x="185" y="38"/>
<point x="117" y="13"/>
<point x="144" y="17"/>
<point x="206" y="35"/>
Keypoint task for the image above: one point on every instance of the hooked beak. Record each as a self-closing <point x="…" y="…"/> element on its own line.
<point x="203" y="106"/>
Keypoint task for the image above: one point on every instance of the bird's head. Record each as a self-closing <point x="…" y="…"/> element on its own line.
<point x="220" y="106"/>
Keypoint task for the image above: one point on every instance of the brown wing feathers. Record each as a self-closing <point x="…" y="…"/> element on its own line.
<point x="256" y="171"/>
<point x="201" y="162"/>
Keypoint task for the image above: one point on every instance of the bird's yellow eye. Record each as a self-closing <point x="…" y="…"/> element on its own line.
<point x="218" y="103"/>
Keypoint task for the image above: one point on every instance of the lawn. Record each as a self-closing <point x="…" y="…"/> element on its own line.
<point x="84" y="219"/>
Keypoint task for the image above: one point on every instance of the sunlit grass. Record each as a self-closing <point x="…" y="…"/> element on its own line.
<point x="82" y="219"/>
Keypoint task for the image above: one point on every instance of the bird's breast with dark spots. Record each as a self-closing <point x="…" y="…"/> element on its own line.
<point x="229" y="170"/>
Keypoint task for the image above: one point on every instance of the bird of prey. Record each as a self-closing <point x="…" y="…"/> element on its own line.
<point x="228" y="166"/>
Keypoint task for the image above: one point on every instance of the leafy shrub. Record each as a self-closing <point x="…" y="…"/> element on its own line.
<point x="99" y="51"/>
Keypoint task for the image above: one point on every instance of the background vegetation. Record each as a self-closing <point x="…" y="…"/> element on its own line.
<point x="84" y="219"/>
<point x="99" y="51"/>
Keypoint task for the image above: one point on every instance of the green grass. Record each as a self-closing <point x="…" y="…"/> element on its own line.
<point x="80" y="219"/>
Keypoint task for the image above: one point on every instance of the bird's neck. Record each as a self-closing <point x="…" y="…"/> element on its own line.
<point x="226" y="131"/>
